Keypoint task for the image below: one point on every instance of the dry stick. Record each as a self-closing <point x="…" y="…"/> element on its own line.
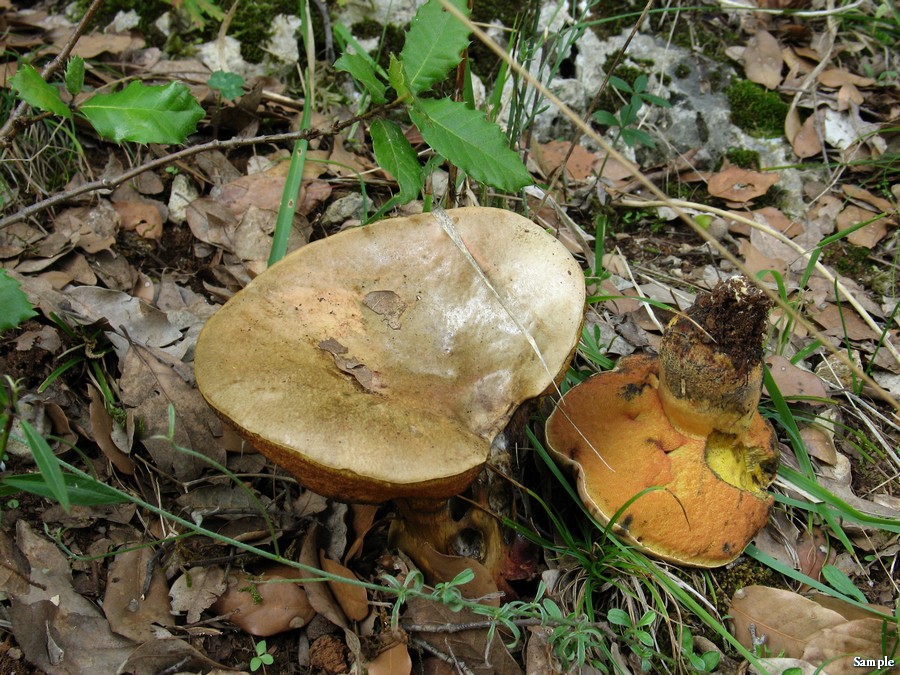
<point x="17" y="120"/>
<point x="112" y="183"/>
<point x="434" y="651"/>
<point x="664" y="198"/>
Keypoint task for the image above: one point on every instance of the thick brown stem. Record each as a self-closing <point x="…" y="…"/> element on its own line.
<point x="711" y="360"/>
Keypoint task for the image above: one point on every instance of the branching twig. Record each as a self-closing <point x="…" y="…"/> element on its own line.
<point x="17" y="120"/>
<point x="434" y="651"/>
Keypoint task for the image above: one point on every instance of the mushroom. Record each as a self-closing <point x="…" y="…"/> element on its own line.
<point x="379" y="364"/>
<point x="687" y="423"/>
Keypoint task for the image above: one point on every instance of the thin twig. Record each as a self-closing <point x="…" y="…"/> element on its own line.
<point x="17" y="120"/>
<point x="434" y="651"/>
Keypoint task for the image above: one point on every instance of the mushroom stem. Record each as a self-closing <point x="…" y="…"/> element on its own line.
<point x="711" y="360"/>
<point x="451" y="527"/>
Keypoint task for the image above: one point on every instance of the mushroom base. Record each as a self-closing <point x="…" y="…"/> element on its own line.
<point x="443" y="537"/>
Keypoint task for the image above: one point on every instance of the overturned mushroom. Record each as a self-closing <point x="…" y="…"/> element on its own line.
<point x="379" y="364"/>
<point x="687" y="423"/>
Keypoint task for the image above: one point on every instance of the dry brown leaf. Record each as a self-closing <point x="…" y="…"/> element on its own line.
<point x="792" y="124"/>
<point x="863" y="195"/>
<point x="807" y="141"/>
<point x="265" y="604"/>
<point x="795" y="63"/>
<point x="94" y="44"/>
<point x="848" y="611"/>
<point x="838" y="77"/>
<point x="196" y="590"/>
<point x="144" y="216"/>
<point x="740" y="185"/>
<point x="262" y="190"/>
<point x="58" y="630"/>
<point x="813" y="553"/>
<point x="819" y="444"/>
<point x="848" y="96"/>
<point x="439" y="567"/>
<point x="151" y="381"/>
<point x="394" y="660"/>
<point x="868" y="235"/>
<point x="839" y="646"/>
<point x="579" y="167"/>
<point x="348" y="164"/>
<point x="320" y="596"/>
<point x="793" y="380"/>
<point x="318" y="592"/>
<point x="785" y="619"/>
<point x="130" y="604"/>
<point x="539" y="658"/>
<point x="102" y="427"/>
<point x="763" y="60"/>
<point x="162" y="655"/>
<point x="353" y="599"/>
<point x="756" y="260"/>
<point x="363" y="516"/>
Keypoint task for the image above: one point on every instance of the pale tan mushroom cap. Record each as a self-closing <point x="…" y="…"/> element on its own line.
<point x="713" y="498"/>
<point x="376" y="364"/>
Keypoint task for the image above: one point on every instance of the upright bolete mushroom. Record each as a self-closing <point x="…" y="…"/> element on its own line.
<point x="686" y="422"/>
<point x="378" y="364"/>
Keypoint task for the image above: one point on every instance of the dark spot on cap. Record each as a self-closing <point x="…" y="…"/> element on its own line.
<point x="631" y="390"/>
<point x="626" y="522"/>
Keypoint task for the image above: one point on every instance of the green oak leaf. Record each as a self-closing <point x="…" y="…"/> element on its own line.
<point x="165" y="114"/>
<point x="469" y="141"/>
<point x="35" y="91"/>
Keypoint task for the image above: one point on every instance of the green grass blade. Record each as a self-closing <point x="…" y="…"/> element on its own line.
<point x="48" y="464"/>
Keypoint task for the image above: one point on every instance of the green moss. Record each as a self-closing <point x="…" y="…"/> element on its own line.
<point x="709" y="38"/>
<point x="756" y="110"/>
<point x="510" y="13"/>
<point x="613" y="16"/>
<point x="849" y="260"/>
<point x="682" y="70"/>
<point x="746" y="159"/>
<point x="148" y="11"/>
<point x="252" y="24"/>
<point x="746" y="572"/>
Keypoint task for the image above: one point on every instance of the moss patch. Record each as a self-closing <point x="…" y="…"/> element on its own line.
<point x="745" y="159"/>
<point x="756" y="110"/>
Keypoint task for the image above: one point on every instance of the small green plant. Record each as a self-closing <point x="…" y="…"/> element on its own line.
<point x="144" y="114"/>
<point x="262" y="658"/>
<point x="627" y="117"/>
<point x="13" y="303"/>
<point x="636" y="635"/>
<point x="702" y="663"/>
<point x="229" y="85"/>
<point x="434" y="44"/>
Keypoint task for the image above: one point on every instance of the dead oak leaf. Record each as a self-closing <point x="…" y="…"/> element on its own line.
<point x="740" y="185"/>
<point x="151" y="381"/>
<point x="869" y="234"/>
<point x="763" y="60"/>
<point x="131" y="604"/>
<point x="838" y="77"/>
